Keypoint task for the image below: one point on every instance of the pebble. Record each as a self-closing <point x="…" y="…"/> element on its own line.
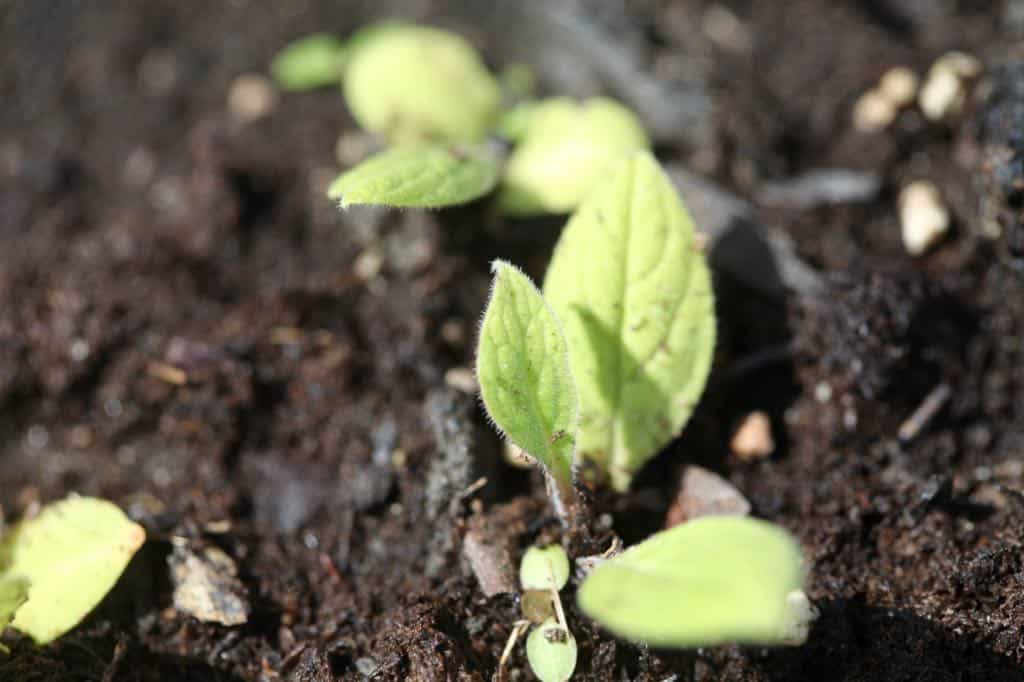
<point x="753" y="439"/>
<point x="461" y="379"/>
<point x="945" y="89"/>
<point x="899" y="85"/>
<point x="924" y="219"/>
<point x="490" y="560"/>
<point x="251" y="97"/>
<point x="705" y="493"/>
<point x="873" y="111"/>
<point x="206" y="584"/>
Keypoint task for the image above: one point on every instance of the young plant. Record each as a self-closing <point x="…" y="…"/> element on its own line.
<point x="56" y="567"/>
<point x="429" y="93"/>
<point x="709" y="581"/>
<point x="551" y="647"/>
<point x="631" y="292"/>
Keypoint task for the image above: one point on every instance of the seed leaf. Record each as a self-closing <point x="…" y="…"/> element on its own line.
<point x="523" y="369"/>
<point x="544" y="568"/>
<point x="71" y="554"/>
<point x="13" y="593"/>
<point x="565" y="147"/>
<point x="551" y="651"/>
<point x="634" y="293"/>
<point x="420" y="176"/>
<point x="713" y="580"/>
<point x="312" y="62"/>
<point x="415" y="83"/>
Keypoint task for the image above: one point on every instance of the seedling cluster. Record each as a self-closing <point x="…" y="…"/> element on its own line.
<point x="605" y="363"/>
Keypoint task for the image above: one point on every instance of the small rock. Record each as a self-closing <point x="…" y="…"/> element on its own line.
<point x="490" y="559"/>
<point x="206" y="584"/>
<point x="923" y="217"/>
<point x="251" y="97"/>
<point x="942" y="95"/>
<point x="704" y="493"/>
<point x="461" y="379"/>
<point x="753" y="439"/>
<point x="873" y="111"/>
<point x="899" y="85"/>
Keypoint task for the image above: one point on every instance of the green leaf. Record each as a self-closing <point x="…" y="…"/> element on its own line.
<point x="551" y="651"/>
<point x="71" y="554"/>
<point x="312" y="62"/>
<point x="633" y="290"/>
<point x="428" y="177"/>
<point x="523" y="369"/>
<point x="713" y="580"/>
<point x="414" y="83"/>
<point x="565" y="147"/>
<point x="544" y="568"/>
<point x="13" y="593"/>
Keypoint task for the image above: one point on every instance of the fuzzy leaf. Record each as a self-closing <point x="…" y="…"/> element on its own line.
<point x="423" y="176"/>
<point x="414" y="83"/>
<point x="71" y="554"/>
<point x="565" y="147"/>
<point x="551" y="651"/>
<point x="633" y="291"/>
<point x="13" y="593"/>
<point x="523" y="369"/>
<point x="713" y="580"/>
<point x="544" y="568"/>
<point x="312" y="62"/>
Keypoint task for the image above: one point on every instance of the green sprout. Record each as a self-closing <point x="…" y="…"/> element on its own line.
<point x="627" y="306"/>
<point x="551" y="647"/>
<point x="315" y="61"/>
<point x="429" y="94"/>
<point x="56" y="567"/>
<point x="709" y="581"/>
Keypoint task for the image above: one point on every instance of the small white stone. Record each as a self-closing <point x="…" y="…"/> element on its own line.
<point x="942" y="95"/>
<point x="873" y="112"/>
<point x="923" y="217"/>
<point x="251" y="97"/>
<point x="962" y="64"/>
<point x="753" y="439"/>
<point x="461" y="379"/>
<point x="899" y="86"/>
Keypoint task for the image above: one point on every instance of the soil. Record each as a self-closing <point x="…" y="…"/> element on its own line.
<point x="188" y="328"/>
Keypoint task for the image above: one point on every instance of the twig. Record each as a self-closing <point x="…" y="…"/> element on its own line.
<point x="925" y="412"/>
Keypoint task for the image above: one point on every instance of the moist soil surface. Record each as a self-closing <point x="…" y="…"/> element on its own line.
<point x="190" y="329"/>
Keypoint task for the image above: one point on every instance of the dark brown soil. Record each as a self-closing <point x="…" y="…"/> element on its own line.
<point x="144" y="232"/>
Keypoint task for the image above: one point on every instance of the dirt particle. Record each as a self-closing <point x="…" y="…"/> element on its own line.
<point x="251" y="97"/>
<point x="753" y="439"/>
<point x="705" y="493"/>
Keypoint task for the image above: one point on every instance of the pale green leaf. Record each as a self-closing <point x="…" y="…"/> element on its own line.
<point x="565" y="147"/>
<point x="71" y="554"/>
<point x="709" y="581"/>
<point x="423" y="176"/>
<point x="312" y="62"/>
<point x="544" y="568"/>
<point x="13" y="593"/>
<point x="415" y="83"/>
<point x="633" y="291"/>
<point x="551" y="651"/>
<point x="523" y="370"/>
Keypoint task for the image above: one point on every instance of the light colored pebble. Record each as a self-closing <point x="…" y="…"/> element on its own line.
<point x="453" y="331"/>
<point x="942" y="95"/>
<point x="705" y="493"/>
<point x="899" y="85"/>
<point x="924" y="219"/>
<point x="962" y="64"/>
<point x="873" y="111"/>
<point x="251" y="97"/>
<point x="753" y="439"/>
<point x="368" y="264"/>
<point x="461" y="379"/>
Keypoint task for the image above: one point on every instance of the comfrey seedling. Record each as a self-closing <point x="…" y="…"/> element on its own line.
<point x="455" y="129"/>
<point x="56" y="567"/>
<point x="627" y="308"/>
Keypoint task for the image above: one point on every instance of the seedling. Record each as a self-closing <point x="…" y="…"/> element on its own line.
<point x="551" y="647"/>
<point x="56" y="567"/>
<point x="627" y="305"/>
<point x="708" y="581"/>
<point x="428" y="92"/>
